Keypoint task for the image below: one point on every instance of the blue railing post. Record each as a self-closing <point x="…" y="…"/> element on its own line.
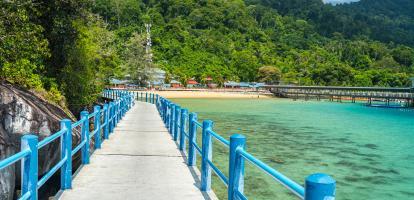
<point x="66" y="153"/>
<point x="176" y="121"/>
<point x="192" y="134"/>
<point x="116" y="113"/>
<point x="236" y="166"/>
<point x="206" y="155"/>
<point x="320" y="187"/>
<point x="121" y="106"/>
<point x="110" y="121"/>
<point x="106" y="121"/>
<point x="172" y="112"/>
<point x="29" y="166"/>
<point x="146" y="97"/>
<point x="97" y="124"/>
<point x="85" y="137"/>
<point x="156" y="98"/>
<point x="184" y="113"/>
<point x="165" y="107"/>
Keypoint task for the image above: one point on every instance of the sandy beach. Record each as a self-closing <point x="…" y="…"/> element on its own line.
<point x="211" y="94"/>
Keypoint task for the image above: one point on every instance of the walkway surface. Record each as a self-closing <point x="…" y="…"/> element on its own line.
<point x="139" y="161"/>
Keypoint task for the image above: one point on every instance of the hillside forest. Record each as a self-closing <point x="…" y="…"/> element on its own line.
<point x="69" y="50"/>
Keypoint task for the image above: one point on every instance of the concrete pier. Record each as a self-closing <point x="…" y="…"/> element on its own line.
<point x="139" y="161"/>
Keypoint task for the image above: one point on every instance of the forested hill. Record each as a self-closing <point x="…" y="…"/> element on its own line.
<point x="70" y="49"/>
<point x="383" y="20"/>
<point x="231" y="40"/>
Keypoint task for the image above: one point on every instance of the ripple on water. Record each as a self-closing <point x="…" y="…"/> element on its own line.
<point x="351" y="142"/>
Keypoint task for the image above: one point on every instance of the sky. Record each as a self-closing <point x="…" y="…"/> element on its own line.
<point x="338" y="1"/>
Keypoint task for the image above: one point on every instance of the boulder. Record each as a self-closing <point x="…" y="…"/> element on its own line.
<point x="23" y="112"/>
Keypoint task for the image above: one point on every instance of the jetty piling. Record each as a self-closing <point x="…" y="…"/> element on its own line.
<point x="369" y="94"/>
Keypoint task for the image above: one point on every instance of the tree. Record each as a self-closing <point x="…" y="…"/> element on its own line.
<point x="92" y="60"/>
<point x="23" y="48"/>
<point x="137" y="65"/>
<point x="269" y="74"/>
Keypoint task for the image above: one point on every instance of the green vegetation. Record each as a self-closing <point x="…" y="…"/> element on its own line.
<point x="70" y="49"/>
<point x="57" y="48"/>
<point x="231" y="40"/>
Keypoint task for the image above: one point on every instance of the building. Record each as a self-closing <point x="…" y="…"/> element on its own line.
<point x="232" y="84"/>
<point x="210" y="83"/>
<point x="120" y="84"/>
<point x="157" y="78"/>
<point x="191" y="83"/>
<point x="175" y="84"/>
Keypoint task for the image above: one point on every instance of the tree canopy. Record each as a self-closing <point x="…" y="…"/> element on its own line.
<point x="70" y="49"/>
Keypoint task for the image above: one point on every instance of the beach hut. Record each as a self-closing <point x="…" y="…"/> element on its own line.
<point x="257" y="85"/>
<point x="191" y="83"/>
<point x="158" y="77"/>
<point x="175" y="84"/>
<point x="244" y="85"/>
<point x="230" y="84"/>
<point x="210" y="83"/>
<point x="116" y="83"/>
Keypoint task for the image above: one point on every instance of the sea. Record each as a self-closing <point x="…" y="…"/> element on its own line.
<point x="368" y="151"/>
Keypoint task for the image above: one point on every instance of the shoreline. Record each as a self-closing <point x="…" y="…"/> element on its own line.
<point x="212" y="94"/>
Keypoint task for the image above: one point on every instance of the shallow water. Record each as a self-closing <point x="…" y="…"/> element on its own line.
<point x="369" y="151"/>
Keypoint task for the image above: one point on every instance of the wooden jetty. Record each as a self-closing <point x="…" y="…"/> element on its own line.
<point x="374" y="96"/>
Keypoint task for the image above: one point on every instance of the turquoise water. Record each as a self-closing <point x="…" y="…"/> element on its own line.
<point x="369" y="151"/>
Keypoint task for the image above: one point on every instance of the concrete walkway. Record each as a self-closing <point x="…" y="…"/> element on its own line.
<point x="139" y="161"/>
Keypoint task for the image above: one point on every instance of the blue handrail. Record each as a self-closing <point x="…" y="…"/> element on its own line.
<point x="317" y="186"/>
<point x="297" y="189"/>
<point x="14" y="158"/>
<point x="121" y="102"/>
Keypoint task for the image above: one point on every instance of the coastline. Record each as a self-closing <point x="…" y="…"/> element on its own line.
<point x="213" y="94"/>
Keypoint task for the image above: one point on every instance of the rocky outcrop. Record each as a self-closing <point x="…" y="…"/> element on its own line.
<point x="22" y="112"/>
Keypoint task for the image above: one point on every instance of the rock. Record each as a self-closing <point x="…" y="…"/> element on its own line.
<point x="22" y="112"/>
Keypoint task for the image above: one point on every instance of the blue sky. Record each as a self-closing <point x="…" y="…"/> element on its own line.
<point x="338" y="1"/>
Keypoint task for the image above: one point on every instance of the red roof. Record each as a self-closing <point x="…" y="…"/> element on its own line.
<point x="209" y="79"/>
<point x="192" y="82"/>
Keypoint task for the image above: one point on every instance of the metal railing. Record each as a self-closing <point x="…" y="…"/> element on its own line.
<point x="183" y="126"/>
<point x="110" y="114"/>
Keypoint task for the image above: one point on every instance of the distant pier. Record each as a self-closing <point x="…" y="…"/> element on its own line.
<point x="373" y="96"/>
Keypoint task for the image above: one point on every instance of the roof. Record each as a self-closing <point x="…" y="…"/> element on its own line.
<point x="175" y="82"/>
<point x="192" y="81"/>
<point x="244" y="84"/>
<point x="118" y="82"/>
<point x="236" y="84"/>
